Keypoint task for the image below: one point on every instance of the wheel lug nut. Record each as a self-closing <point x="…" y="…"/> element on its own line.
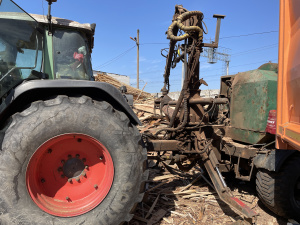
<point x="77" y="155"/>
<point x="69" y="156"/>
<point x="62" y="161"/>
<point x="43" y="180"/>
<point x="96" y="186"/>
<point x="86" y="167"/>
<point x="49" y="150"/>
<point x="59" y="169"/>
<point x="101" y="158"/>
<point x="77" y="179"/>
<point x="84" y="160"/>
<point x="67" y="198"/>
<point x="83" y="174"/>
<point x="70" y="180"/>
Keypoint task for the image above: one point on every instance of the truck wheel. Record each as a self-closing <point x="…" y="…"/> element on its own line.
<point x="280" y="192"/>
<point x="71" y="160"/>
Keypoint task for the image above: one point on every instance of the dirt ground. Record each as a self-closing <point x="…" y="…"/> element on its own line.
<point x="186" y="198"/>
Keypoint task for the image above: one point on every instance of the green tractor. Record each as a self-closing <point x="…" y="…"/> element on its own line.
<point x="70" y="151"/>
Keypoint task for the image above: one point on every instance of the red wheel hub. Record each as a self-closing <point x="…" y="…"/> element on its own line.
<point x="69" y="175"/>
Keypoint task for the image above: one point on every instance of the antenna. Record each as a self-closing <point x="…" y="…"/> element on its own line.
<point x="49" y="17"/>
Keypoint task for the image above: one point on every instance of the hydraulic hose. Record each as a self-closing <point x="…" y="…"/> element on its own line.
<point x="184" y="122"/>
<point x="179" y="23"/>
<point x="204" y="149"/>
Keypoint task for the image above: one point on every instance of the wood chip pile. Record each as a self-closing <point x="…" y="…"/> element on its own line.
<point x="180" y="198"/>
<point x="130" y="90"/>
<point x="152" y="122"/>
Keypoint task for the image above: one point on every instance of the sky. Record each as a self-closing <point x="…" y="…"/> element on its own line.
<point x="249" y="34"/>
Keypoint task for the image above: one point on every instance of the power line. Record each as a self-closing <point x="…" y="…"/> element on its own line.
<point x="240" y="65"/>
<point x="255" y="63"/>
<point x="256" y="49"/>
<point x="153" y="71"/>
<point x="244" y="35"/>
<point x="115" y="58"/>
<point x="154" y="43"/>
<point x="215" y="69"/>
<point x="208" y="78"/>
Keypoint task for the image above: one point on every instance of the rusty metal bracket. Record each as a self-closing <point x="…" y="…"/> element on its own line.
<point x="163" y="145"/>
<point x="224" y="192"/>
<point x="237" y="172"/>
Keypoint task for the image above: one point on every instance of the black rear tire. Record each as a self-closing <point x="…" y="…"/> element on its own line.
<point x="280" y="192"/>
<point x="44" y="120"/>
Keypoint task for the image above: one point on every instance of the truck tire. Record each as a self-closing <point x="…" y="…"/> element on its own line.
<point x="280" y="191"/>
<point x="71" y="160"/>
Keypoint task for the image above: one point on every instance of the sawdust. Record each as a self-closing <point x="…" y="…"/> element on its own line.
<point x="197" y="204"/>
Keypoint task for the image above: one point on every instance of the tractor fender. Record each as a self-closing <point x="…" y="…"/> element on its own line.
<point x="34" y="90"/>
<point x="273" y="160"/>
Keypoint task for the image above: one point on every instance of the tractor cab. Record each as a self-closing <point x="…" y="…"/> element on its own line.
<point x="34" y="47"/>
<point x="67" y="48"/>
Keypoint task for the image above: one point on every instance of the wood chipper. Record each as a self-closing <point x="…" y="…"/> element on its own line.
<point x="236" y="131"/>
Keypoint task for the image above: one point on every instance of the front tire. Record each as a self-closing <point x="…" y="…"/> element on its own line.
<point x="49" y="146"/>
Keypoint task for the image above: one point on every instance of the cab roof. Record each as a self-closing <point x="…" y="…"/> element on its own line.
<point x="88" y="29"/>
<point x="63" y="22"/>
<point x="43" y="19"/>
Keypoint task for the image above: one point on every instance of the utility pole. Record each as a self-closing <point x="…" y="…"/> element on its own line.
<point x="137" y="41"/>
<point x="138" y="60"/>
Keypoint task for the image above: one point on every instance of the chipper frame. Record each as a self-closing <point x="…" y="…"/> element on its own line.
<point x="189" y="133"/>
